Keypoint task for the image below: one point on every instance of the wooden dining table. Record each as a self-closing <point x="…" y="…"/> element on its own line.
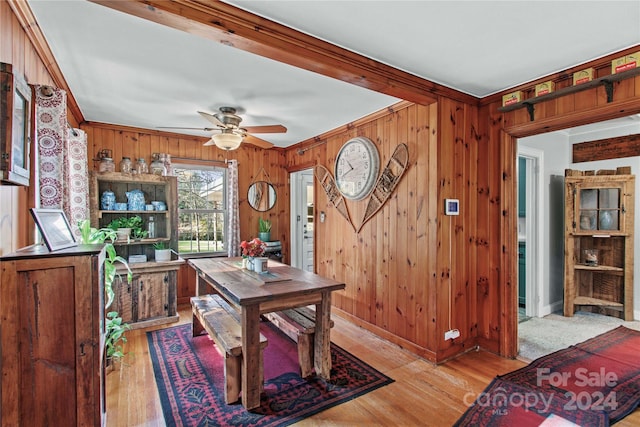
<point x="253" y="294"/>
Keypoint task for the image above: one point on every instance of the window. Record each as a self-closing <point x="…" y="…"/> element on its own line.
<point x="202" y="212"/>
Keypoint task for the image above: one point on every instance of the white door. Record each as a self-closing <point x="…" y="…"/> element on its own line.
<point x="302" y="215"/>
<point x="531" y="229"/>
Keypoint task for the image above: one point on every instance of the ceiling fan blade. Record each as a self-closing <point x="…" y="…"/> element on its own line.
<point x="265" y="129"/>
<point x="178" y="127"/>
<point x="261" y="143"/>
<point x="213" y="119"/>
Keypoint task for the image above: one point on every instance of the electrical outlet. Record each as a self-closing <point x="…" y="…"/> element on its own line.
<point x="452" y="334"/>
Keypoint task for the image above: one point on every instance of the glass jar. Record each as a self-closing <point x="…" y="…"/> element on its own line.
<point x="157" y="166"/>
<point x="142" y="166"/>
<point x="106" y="165"/>
<point x="166" y="159"/>
<point x="126" y="165"/>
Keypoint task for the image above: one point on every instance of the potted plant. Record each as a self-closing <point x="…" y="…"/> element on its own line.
<point x="126" y="225"/>
<point x="162" y="251"/>
<point x="114" y="327"/>
<point x="251" y="250"/>
<point x="264" y="229"/>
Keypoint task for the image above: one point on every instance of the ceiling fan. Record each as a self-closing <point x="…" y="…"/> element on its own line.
<point x="231" y="134"/>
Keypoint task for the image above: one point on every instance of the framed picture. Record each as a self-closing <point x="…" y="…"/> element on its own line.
<point x="15" y="127"/>
<point x="54" y="228"/>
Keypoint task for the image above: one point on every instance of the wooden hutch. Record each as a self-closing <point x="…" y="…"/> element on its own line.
<point x="599" y="218"/>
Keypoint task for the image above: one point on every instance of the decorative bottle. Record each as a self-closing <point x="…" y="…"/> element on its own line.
<point x="151" y="228"/>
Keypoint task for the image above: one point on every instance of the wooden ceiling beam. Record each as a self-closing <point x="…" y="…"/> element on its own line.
<point x="235" y="27"/>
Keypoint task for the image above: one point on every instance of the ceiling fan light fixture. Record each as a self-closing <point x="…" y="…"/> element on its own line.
<point x="227" y="140"/>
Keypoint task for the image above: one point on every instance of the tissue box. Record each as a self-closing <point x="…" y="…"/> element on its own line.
<point x="618" y="65"/>
<point x="625" y="63"/>
<point x="545" y="88"/>
<point x="633" y="60"/>
<point x="582" y="76"/>
<point x="137" y="258"/>
<point x="511" y="98"/>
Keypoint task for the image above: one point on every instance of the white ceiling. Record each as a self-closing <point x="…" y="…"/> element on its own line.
<point x="128" y="71"/>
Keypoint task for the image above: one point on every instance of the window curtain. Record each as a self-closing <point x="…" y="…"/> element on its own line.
<point x="233" y="208"/>
<point x="76" y="179"/>
<point x="63" y="181"/>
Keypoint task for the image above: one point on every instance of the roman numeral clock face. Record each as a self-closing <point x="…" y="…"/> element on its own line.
<point x="356" y="169"/>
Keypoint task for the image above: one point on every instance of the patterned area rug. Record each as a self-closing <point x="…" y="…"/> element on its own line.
<point x="190" y="378"/>
<point x="594" y="383"/>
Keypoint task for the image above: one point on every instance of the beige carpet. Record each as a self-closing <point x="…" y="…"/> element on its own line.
<point x="539" y="336"/>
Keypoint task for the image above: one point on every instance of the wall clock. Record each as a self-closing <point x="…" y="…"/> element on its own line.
<point x="356" y="169"/>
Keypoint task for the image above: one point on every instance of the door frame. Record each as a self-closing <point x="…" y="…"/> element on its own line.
<point x="533" y="237"/>
<point x="296" y="194"/>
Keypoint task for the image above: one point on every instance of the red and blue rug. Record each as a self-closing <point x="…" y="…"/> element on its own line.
<point x="594" y="383"/>
<point x="189" y="374"/>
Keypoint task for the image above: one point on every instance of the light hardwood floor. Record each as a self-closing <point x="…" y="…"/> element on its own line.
<point x="423" y="394"/>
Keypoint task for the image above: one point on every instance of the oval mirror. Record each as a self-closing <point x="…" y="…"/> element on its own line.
<point x="261" y="196"/>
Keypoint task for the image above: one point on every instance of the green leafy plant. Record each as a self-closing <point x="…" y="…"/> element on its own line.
<point x="114" y="326"/>
<point x="264" y="225"/>
<point x="89" y="235"/>
<point x="139" y="233"/>
<point x="115" y="329"/>
<point x="133" y="222"/>
<point x="160" y="246"/>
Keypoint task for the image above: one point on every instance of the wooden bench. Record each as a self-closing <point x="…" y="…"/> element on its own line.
<point x="213" y="314"/>
<point x="299" y="324"/>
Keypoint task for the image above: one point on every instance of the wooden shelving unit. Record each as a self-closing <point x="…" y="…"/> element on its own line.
<point x="606" y="81"/>
<point x="599" y="222"/>
<point x="151" y="298"/>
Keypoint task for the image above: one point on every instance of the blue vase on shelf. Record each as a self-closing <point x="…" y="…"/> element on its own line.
<point x="108" y="201"/>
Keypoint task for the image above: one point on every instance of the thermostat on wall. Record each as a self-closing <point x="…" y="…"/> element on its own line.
<point x="451" y="207"/>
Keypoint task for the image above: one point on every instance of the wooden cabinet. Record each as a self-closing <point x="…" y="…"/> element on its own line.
<point x="151" y="297"/>
<point x="599" y="221"/>
<point x="52" y="337"/>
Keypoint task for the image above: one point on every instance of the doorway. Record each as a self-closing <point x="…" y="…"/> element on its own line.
<point x="530" y="214"/>
<point x="302" y="216"/>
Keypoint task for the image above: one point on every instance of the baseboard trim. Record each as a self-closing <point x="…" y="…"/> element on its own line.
<point x="552" y="308"/>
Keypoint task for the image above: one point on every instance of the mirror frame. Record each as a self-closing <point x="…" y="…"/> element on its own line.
<point x="256" y="196"/>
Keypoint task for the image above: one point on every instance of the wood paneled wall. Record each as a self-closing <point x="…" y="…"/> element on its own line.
<point x="16" y="226"/>
<point x="408" y="269"/>
<point x="135" y="143"/>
